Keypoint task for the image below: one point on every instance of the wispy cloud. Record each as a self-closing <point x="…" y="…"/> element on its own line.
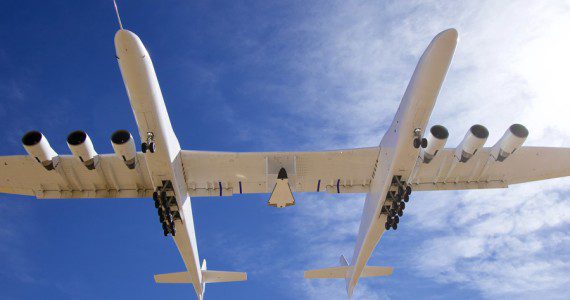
<point x="354" y="62"/>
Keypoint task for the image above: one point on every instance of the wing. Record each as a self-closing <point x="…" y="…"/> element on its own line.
<point x="227" y="173"/>
<point x="71" y="179"/>
<point x="524" y="165"/>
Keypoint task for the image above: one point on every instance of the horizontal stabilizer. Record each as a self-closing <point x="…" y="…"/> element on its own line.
<point x="178" y="277"/>
<point x="208" y="276"/>
<point x="372" y="271"/>
<point x="334" y="272"/>
<point x="342" y="272"/>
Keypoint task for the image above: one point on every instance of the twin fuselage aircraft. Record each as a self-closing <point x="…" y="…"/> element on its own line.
<point x="409" y="158"/>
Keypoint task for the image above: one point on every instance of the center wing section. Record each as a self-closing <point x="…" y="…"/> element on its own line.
<point x="226" y="173"/>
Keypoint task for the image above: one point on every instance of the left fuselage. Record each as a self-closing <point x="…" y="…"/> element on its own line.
<point x="152" y="118"/>
<point x="147" y="104"/>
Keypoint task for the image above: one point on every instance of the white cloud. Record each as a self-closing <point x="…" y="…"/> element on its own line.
<point x="509" y="67"/>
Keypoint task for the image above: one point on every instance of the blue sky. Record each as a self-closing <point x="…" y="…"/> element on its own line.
<point x="270" y="76"/>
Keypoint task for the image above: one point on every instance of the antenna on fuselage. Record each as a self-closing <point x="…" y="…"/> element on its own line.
<point x="118" y="16"/>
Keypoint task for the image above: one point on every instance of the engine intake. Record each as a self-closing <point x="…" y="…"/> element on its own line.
<point x="81" y="146"/>
<point x="37" y="146"/>
<point x="472" y="142"/>
<point x="124" y="147"/>
<point x="513" y="138"/>
<point x="436" y="141"/>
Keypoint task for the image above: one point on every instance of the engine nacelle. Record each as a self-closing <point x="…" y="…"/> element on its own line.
<point x="37" y="146"/>
<point x="513" y="138"/>
<point x="472" y="142"/>
<point x="124" y="146"/>
<point x="436" y="141"/>
<point x="81" y="147"/>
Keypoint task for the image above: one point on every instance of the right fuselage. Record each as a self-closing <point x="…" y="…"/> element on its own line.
<point x="396" y="148"/>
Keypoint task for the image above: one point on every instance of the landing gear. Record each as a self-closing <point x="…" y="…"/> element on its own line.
<point x="417" y="143"/>
<point x="149" y="145"/>
<point x="395" y="204"/>
<point x="167" y="207"/>
<point x="418" y="140"/>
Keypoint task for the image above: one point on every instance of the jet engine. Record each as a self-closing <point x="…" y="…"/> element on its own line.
<point x="472" y="142"/>
<point x="513" y="138"/>
<point x="37" y="146"/>
<point x="124" y="146"/>
<point x="81" y="146"/>
<point x="436" y="141"/>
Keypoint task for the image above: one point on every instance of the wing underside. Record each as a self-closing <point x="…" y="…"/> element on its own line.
<point x="526" y="164"/>
<point x="22" y="175"/>
<point x="227" y="173"/>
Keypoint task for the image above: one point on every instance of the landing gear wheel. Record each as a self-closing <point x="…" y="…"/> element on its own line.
<point x="417" y="143"/>
<point x="152" y="147"/>
<point x="396" y="220"/>
<point x="402" y="205"/>
<point x="400" y="191"/>
<point x="406" y="198"/>
<point x="156" y="203"/>
<point x="395" y="206"/>
<point x="424" y="143"/>
<point x="400" y="212"/>
<point x="395" y="226"/>
<point x="144" y="147"/>
<point x="165" y="232"/>
<point x="398" y="197"/>
<point x="155" y="196"/>
<point x="408" y="190"/>
<point x="387" y="225"/>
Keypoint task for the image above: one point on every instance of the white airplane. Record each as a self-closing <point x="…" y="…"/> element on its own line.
<point x="404" y="161"/>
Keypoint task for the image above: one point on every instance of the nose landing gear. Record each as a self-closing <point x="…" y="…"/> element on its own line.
<point x="418" y="140"/>
<point x="149" y="145"/>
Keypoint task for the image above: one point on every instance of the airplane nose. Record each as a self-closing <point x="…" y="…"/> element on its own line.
<point x="128" y="43"/>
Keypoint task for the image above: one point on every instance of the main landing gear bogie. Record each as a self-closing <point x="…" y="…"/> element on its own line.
<point x="396" y="200"/>
<point x="167" y="208"/>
